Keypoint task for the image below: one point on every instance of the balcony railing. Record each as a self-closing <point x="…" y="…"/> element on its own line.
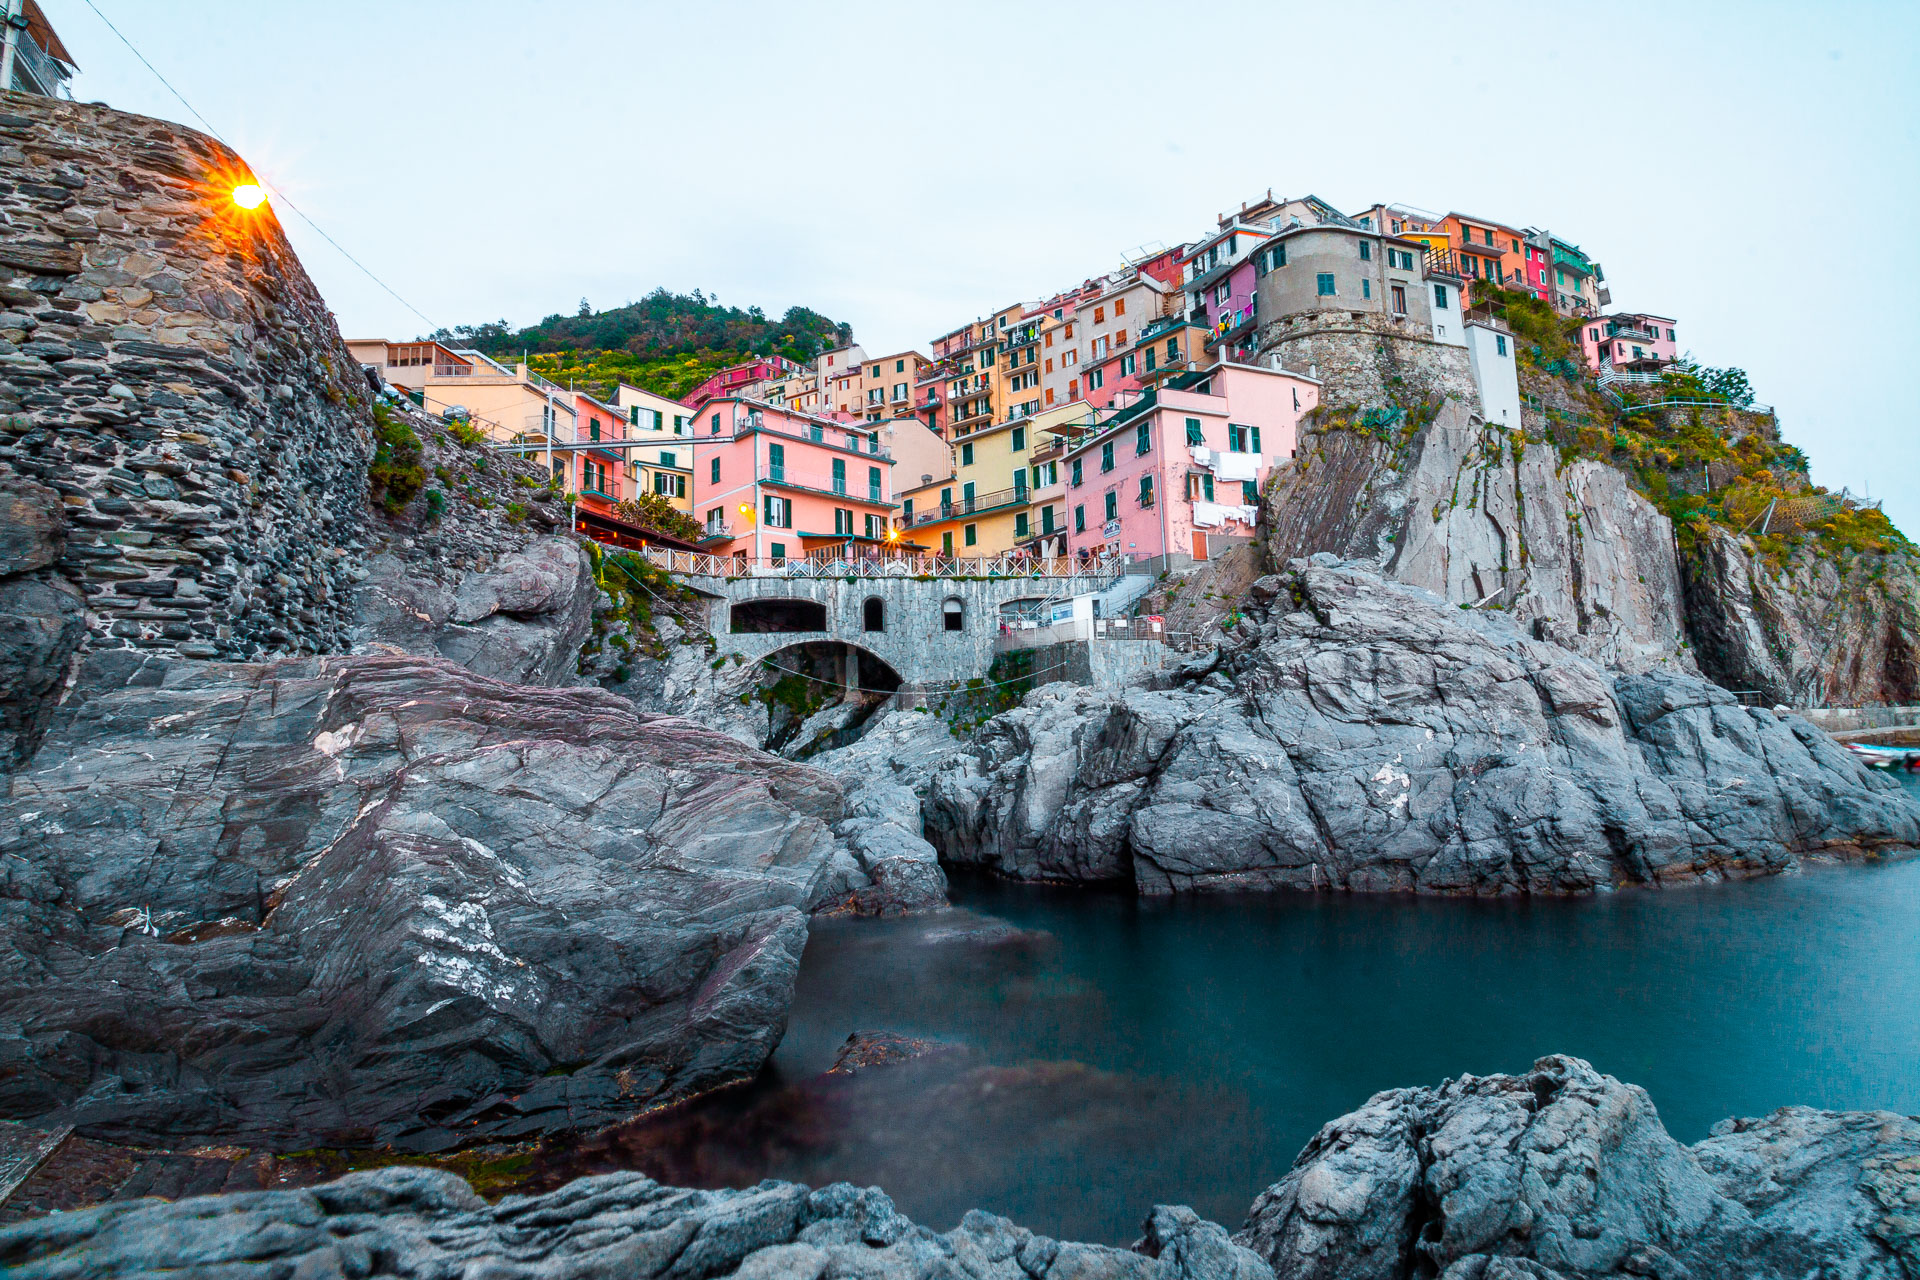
<point x="829" y="486"/>
<point x="979" y="504"/>
<point x="41" y="67"/>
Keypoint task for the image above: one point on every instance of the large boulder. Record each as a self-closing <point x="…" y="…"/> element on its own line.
<point x="1566" y="1172"/>
<point x="522" y="620"/>
<point x="887" y="866"/>
<point x="1366" y="735"/>
<point x="379" y="899"/>
<point x="423" y="1222"/>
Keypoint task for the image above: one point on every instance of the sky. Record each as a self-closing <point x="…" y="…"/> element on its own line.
<point x="1751" y="169"/>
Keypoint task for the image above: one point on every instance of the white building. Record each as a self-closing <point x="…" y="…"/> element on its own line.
<point x="1495" y="372"/>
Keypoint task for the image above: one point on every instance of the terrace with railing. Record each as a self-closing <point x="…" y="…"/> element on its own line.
<point x="977" y="504"/>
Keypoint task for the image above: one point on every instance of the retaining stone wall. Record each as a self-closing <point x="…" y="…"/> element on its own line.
<point x="167" y="366"/>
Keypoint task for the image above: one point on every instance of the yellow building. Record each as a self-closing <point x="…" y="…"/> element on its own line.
<point x="987" y="503"/>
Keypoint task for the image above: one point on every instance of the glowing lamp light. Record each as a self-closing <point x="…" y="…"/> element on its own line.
<point x="249" y="195"/>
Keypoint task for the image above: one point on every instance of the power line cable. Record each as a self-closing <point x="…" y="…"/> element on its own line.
<point x="278" y="193"/>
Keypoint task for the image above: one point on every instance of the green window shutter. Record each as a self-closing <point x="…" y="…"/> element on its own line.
<point x="1256" y="439"/>
<point x="1194" y="434"/>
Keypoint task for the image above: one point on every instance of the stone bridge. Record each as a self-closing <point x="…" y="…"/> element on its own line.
<point x="932" y="620"/>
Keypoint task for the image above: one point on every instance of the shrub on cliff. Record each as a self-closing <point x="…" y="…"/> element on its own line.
<point x="396" y="472"/>
<point x="651" y="511"/>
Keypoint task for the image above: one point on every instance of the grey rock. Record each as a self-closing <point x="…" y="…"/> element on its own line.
<point x="522" y="621"/>
<point x="1366" y="735"/>
<point x="888" y="867"/>
<point x="1567" y="1172"/>
<point x="380" y="899"/>
<point x="416" y="1222"/>
<point x="43" y="618"/>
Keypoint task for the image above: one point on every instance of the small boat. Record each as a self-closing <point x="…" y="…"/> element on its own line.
<point x="1875" y="756"/>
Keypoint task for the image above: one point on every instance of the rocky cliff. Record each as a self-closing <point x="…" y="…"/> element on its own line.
<point x="1363" y="734"/>
<point x="1566" y="521"/>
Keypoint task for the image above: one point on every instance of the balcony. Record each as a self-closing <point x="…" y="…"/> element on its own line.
<point x="979" y="504"/>
<point x="37" y="71"/>
<point x="827" y="486"/>
<point x="1631" y="335"/>
<point x="717" y="533"/>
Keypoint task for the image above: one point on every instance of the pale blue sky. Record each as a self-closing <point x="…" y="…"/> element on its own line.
<point x="1750" y="168"/>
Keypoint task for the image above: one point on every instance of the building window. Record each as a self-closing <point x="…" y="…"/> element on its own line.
<point x="716" y="424"/>
<point x="873" y="484"/>
<point x="1119" y="307"/>
<point x="873" y="614"/>
<point x="842" y="522"/>
<point x="714" y="469"/>
<point x="777" y="552"/>
<point x="1366" y="251"/>
<point x="1142" y="440"/>
<point x="1249" y="492"/>
<point x="1096" y="378"/>
<point x="1146" y="490"/>
<point x="1500" y="344"/>
<point x="1593" y="335"/>
<point x="778" y="512"/>
<point x="946" y="544"/>
<point x="716" y="519"/>
<point x="1079" y="519"/>
<point x="1106" y="456"/>
<point x="953" y="612"/>
<point x="906" y="510"/>
<point x="1325" y="282"/>
<point x="1113" y="504"/>
<point x="1200" y="485"/>
<point x="971" y="534"/>
<point x="966" y="455"/>
<point x="839" y="475"/>
<point x="1173" y="350"/>
<point x="1440" y="296"/>
<point x="1399" y="300"/>
<point x="1126" y="365"/>
<point x="1670" y="337"/>
<point x="1019" y="524"/>
<point x="1046" y="520"/>
<point x="1242" y="439"/>
<point x="1019" y="439"/>
<point x="1366" y="288"/>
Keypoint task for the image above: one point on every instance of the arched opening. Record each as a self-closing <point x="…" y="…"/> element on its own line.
<point x="873" y="614"/>
<point x="954" y="614"/>
<point x="820" y="694"/>
<point x="777" y="615"/>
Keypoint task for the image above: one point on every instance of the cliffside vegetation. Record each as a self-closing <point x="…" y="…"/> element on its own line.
<point x="1707" y="457"/>
<point x="666" y="343"/>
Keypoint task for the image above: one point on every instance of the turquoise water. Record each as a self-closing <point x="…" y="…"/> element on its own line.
<point x="1114" y="1053"/>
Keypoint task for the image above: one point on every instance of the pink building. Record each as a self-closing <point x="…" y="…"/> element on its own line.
<point x="771" y="484"/>
<point x="1630" y="342"/>
<point x="1178" y="471"/>
<point x="734" y="380"/>
<point x="1160" y="351"/>
<point x="1233" y="312"/>
<point x="597" y="473"/>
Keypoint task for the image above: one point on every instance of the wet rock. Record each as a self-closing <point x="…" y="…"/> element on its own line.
<point x="425" y="1222"/>
<point x="866" y="1049"/>
<point x="1365" y="735"/>
<point x="372" y="899"/>
<point x="1567" y="1172"/>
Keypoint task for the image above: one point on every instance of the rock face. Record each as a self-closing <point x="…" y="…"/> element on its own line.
<point x="522" y="620"/>
<point x="421" y="1222"/>
<point x="1475" y="514"/>
<point x="1564" y="1172"/>
<point x="42" y="617"/>
<point x="1367" y="735"/>
<point x="364" y="900"/>
<point x="887" y="867"/>
<point x="168" y="368"/>
<point x="1819" y="632"/>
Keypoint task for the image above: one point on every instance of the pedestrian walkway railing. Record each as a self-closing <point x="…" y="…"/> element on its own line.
<point x="1090" y="574"/>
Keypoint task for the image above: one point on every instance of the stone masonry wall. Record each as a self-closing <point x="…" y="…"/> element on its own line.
<point x="167" y="367"/>
<point x="1363" y="359"/>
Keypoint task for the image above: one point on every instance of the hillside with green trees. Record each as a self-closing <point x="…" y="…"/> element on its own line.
<point x="667" y="343"/>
